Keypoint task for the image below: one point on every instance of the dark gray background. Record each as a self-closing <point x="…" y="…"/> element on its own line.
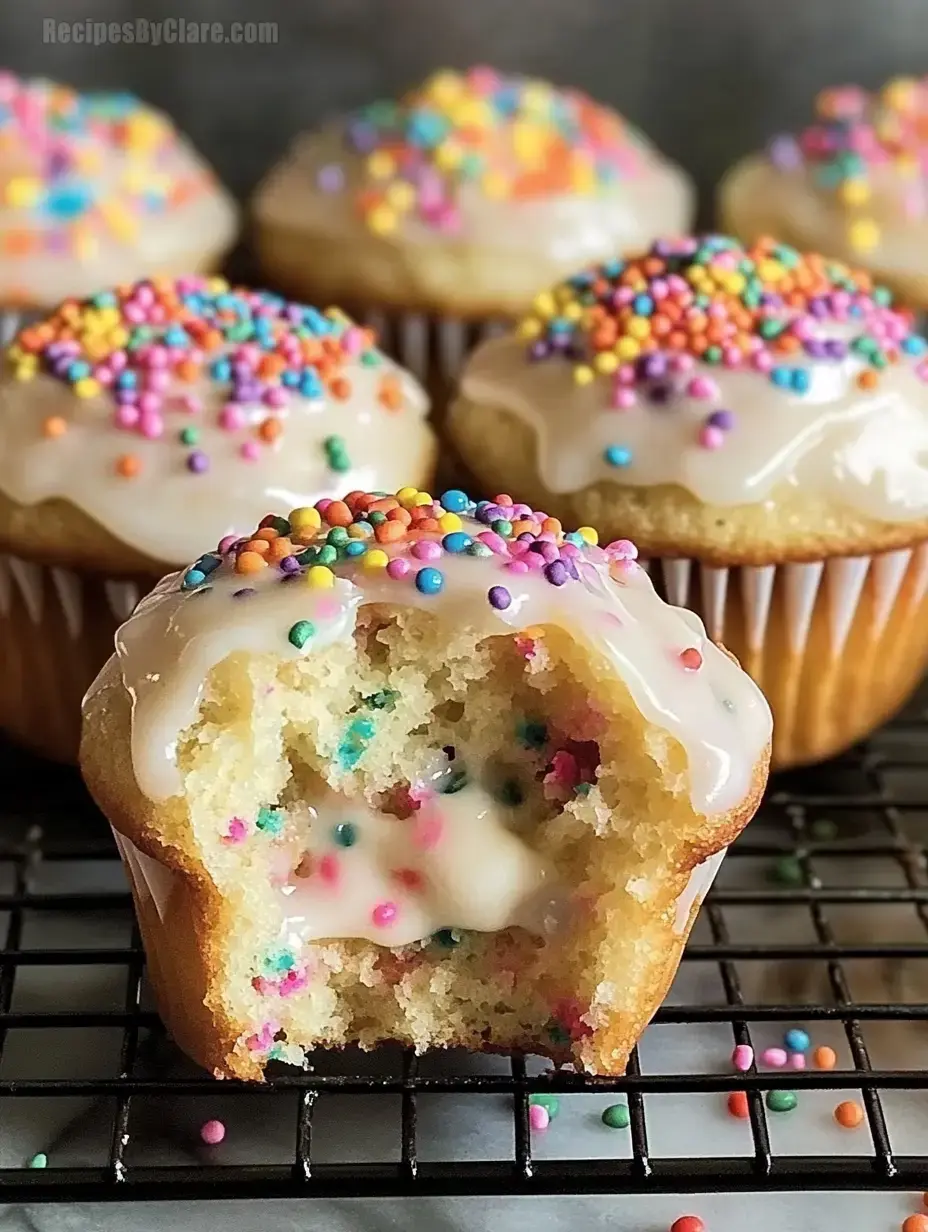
<point x="707" y="79"/>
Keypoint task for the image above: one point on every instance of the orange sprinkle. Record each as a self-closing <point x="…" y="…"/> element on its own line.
<point x="266" y="532"/>
<point x="825" y="1058"/>
<point x="280" y="548"/>
<point x="337" y="513"/>
<point x="340" y="388"/>
<point x="249" y="562"/>
<point x="260" y="547"/>
<point x="54" y="426"/>
<point x="128" y="465"/>
<point x="400" y="515"/>
<point x="738" y="1105"/>
<point x="915" y="1223"/>
<point x="849" y="1114"/>
<point x="384" y="505"/>
<point x="270" y="429"/>
<point x="389" y="532"/>
<point x="867" y="379"/>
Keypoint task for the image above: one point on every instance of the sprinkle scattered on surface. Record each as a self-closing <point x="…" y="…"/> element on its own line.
<point x="849" y="1114"/>
<point x="212" y="1132"/>
<point x="781" y="1101"/>
<point x="616" y="1116"/>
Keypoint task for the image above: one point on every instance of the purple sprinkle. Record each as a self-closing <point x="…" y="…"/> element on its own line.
<point x="362" y="136"/>
<point x="650" y="367"/>
<point x="198" y="462"/>
<point x="816" y="347"/>
<point x="539" y="350"/>
<point x="836" y="348"/>
<point x="290" y="564"/>
<point x="556" y="573"/>
<point x="722" y="419"/>
<point x="499" y="597"/>
<point x="241" y="594"/>
<point x="330" y="178"/>
<point x="660" y="393"/>
<point x="784" y="153"/>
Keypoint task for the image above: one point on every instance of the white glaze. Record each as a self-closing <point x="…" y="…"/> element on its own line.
<point x="80" y="466"/>
<point x="866" y="450"/>
<point x="167" y="648"/>
<point x="560" y="232"/>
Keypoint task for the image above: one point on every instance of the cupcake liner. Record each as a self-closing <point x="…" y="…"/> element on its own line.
<point x="698" y="886"/>
<point x="57" y="627"/>
<point x="837" y="645"/>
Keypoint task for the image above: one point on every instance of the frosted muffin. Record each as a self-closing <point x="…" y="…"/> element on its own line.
<point x="757" y="421"/>
<point x="852" y="185"/>
<point x="447" y="209"/>
<point x="464" y="785"/>
<point x="98" y="189"/>
<point x="139" y="422"/>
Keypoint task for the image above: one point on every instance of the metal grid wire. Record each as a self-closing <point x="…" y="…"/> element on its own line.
<point x="47" y="819"/>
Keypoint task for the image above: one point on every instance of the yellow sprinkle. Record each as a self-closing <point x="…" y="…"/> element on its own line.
<point x="401" y="196"/>
<point x="899" y="93"/>
<point x="357" y="531"/>
<point x="735" y="283"/>
<point x="627" y="348"/>
<point x="536" y="97"/>
<point x="320" y="577"/>
<point x="87" y="387"/>
<point x="770" y="271"/>
<point x="638" y="327"/>
<point x="381" y="165"/>
<point x="22" y="191"/>
<point x="382" y="220"/>
<point x="449" y="522"/>
<point x="529" y="327"/>
<point x="583" y="374"/>
<point x="863" y="235"/>
<point x="423" y="498"/>
<point x="589" y="533"/>
<point x="544" y="304"/>
<point x="528" y="142"/>
<point x="606" y="361"/>
<point x="495" y="185"/>
<point x="376" y="558"/>
<point x="583" y="179"/>
<point x="854" y="192"/>
<point x="448" y="155"/>
<point x="407" y="497"/>
<point x="471" y="112"/>
<point x="117" y="338"/>
<point x="572" y="312"/>
<point x="217" y="285"/>
<point x="305" y="518"/>
<point x="25" y="371"/>
<point x="444" y="87"/>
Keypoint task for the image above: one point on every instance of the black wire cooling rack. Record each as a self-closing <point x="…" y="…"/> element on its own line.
<point x="874" y="803"/>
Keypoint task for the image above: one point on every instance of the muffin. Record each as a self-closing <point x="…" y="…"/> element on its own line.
<point x="851" y="185"/>
<point x="757" y="421"/>
<point x="95" y="190"/>
<point x="445" y="211"/>
<point x="136" y="422"/>
<point x="465" y="784"/>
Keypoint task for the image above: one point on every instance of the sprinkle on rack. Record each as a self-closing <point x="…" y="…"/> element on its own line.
<point x="505" y="138"/>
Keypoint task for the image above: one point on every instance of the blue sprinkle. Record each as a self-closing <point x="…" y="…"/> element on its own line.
<point x="800" y="380"/>
<point x="351" y="750"/>
<point x="220" y="370"/>
<point x="796" y="1040"/>
<point x="457" y="541"/>
<point x="68" y="201"/>
<point x="643" y="305"/>
<point x="617" y="455"/>
<point x="310" y="385"/>
<point x="270" y="820"/>
<point x="429" y="581"/>
<point x="192" y="579"/>
<point x="454" y="500"/>
<point x="355" y="548"/>
<point x="782" y="377"/>
<point x="914" y="345"/>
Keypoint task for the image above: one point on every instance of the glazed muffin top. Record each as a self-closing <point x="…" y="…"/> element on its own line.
<point x="139" y="422"/>
<point x="97" y="189"/>
<point x="763" y="385"/>
<point x="479" y="159"/>
<point x="852" y="183"/>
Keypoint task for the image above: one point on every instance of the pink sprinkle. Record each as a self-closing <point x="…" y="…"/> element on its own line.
<point x="426" y="549"/>
<point x="104" y="374"/>
<point x="711" y="437"/>
<point x="352" y="340"/>
<point x="797" y="1060"/>
<point x="238" y="828"/>
<point x="427" y="829"/>
<point x="329" y="868"/>
<point x="126" y="416"/>
<point x="493" y="541"/>
<point x="398" y="568"/>
<point x="250" y="451"/>
<point x="158" y="381"/>
<point x="621" y="549"/>
<point x="226" y="543"/>
<point x="775" y="1057"/>
<point x="151" y="425"/>
<point x="275" y="396"/>
<point x="538" y="1117"/>
<point x="384" y="914"/>
<point x="231" y="417"/>
<point x="762" y="361"/>
<point x="322" y="504"/>
<point x="293" y="982"/>
<point x="625" y="375"/>
<point x="623" y="400"/>
<point x="518" y="566"/>
<point x="327" y="608"/>
<point x="212" y="1132"/>
<point x="743" y="1057"/>
<point x="409" y="878"/>
<point x="150" y="403"/>
<point x="191" y="404"/>
<point x="702" y="387"/>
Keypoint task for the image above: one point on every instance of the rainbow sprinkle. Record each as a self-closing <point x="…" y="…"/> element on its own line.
<point x="856" y="138"/>
<point x="56" y="151"/>
<point x="505" y="137"/>
<point x="151" y="348"/>
<point x="654" y="326"/>
<point x="405" y="538"/>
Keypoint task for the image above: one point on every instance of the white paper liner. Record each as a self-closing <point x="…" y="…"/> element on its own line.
<point x="39" y="585"/>
<point x="842" y="577"/>
<point x="430" y="345"/>
<point x="698" y="886"/>
<point x="150" y="880"/>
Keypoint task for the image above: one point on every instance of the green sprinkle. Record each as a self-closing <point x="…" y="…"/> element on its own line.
<point x="281" y="525"/>
<point x="502" y="527"/>
<point x="787" y="871"/>
<point x="824" y="830"/>
<point x="345" y="834"/>
<point x="478" y="549"/>
<point x="39" y="1161"/>
<point x="327" y="555"/>
<point x="550" y="1103"/>
<point x="376" y="517"/>
<point x="279" y="961"/>
<point x="383" y="699"/>
<point x="270" y="820"/>
<point x="334" y="444"/>
<point x="337" y="536"/>
<point x="300" y="633"/>
<point x="781" y="1101"/>
<point x="354" y="742"/>
<point x="616" y="1116"/>
<point x="189" y="436"/>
